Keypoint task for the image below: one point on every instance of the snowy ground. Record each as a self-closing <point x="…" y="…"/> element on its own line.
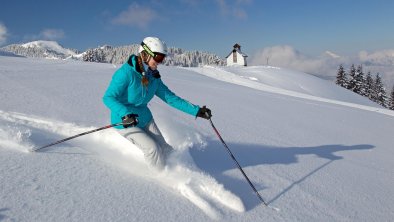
<point x="314" y="150"/>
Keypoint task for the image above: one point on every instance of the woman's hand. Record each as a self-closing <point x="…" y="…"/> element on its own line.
<point x="204" y="112"/>
<point x="130" y="120"/>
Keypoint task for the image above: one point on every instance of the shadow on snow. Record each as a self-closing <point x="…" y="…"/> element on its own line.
<point x="215" y="160"/>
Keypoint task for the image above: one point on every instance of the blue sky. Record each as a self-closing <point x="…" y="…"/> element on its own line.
<point x="310" y="26"/>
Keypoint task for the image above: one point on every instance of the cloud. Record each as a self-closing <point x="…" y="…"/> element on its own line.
<point x="233" y="8"/>
<point x="326" y="64"/>
<point x="136" y="15"/>
<point x="287" y="56"/>
<point x="382" y="57"/>
<point x="52" y="34"/>
<point x="46" y="34"/>
<point x="3" y="33"/>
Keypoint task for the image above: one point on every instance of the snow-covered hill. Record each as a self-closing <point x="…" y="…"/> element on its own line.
<point x="41" y="49"/>
<point x="313" y="150"/>
<point x="50" y="46"/>
<point x="326" y="65"/>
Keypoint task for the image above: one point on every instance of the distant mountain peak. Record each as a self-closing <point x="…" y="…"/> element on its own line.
<point x="41" y="49"/>
<point x="331" y="54"/>
<point x="51" y="46"/>
<point x="41" y="43"/>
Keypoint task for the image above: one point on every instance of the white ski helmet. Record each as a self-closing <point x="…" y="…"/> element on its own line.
<point x="153" y="44"/>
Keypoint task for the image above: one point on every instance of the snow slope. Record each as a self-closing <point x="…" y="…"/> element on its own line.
<point x="317" y="152"/>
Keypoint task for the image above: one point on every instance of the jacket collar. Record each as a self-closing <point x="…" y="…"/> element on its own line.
<point x="133" y="62"/>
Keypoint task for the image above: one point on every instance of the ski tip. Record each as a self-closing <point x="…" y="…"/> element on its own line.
<point x="271" y="207"/>
<point x="275" y="208"/>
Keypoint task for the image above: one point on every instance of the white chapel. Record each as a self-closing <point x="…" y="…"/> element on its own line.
<point x="236" y="56"/>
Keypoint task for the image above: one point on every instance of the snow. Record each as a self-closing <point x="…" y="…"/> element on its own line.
<point x="5" y="53"/>
<point x="49" y="45"/>
<point x="313" y="150"/>
<point x="332" y="55"/>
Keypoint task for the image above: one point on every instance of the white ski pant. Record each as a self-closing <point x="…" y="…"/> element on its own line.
<point x="151" y="142"/>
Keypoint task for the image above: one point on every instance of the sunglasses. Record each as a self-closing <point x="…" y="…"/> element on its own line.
<point x="158" y="57"/>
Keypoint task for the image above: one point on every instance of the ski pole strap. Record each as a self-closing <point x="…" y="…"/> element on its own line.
<point x="236" y="162"/>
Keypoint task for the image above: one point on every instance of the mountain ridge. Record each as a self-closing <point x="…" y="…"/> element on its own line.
<point x="109" y="54"/>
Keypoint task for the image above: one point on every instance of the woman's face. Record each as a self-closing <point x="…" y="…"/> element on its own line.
<point x="152" y="63"/>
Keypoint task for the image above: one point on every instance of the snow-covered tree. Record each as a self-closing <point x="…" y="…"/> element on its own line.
<point x="104" y="54"/>
<point x="341" y="79"/>
<point x="90" y="56"/>
<point x="352" y="78"/>
<point x="359" y="81"/>
<point x="175" y="57"/>
<point x="391" y="100"/>
<point x="370" y="86"/>
<point x="380" y="91"/>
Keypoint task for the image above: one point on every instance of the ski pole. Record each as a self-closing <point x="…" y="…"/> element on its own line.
<point x="75" y="136"/>
<point x="239" y="166"/>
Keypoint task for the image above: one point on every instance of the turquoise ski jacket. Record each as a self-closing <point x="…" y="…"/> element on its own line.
<point x="126" y="95"/>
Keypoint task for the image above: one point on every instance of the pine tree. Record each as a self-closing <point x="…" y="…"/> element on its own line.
<point x="381" y="97"/>
<point x="369" y="86"/>
<point x="391" y="101"/>
<point x="90" y="56"/>
<point x="341" y="77"/>
<point x="352" y="78"/>
<point x="95" y="55"/>
<point x="359" y="81"/>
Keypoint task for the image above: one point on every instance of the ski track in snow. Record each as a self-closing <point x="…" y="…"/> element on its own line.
<point x="22" y="133"/>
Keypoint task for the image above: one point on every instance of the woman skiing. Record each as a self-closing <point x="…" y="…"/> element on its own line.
<point x="132" y="87"/>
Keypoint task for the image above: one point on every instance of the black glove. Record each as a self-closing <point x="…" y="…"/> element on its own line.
<point x="129" y="120"/>
<point x="204" y="112"/>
